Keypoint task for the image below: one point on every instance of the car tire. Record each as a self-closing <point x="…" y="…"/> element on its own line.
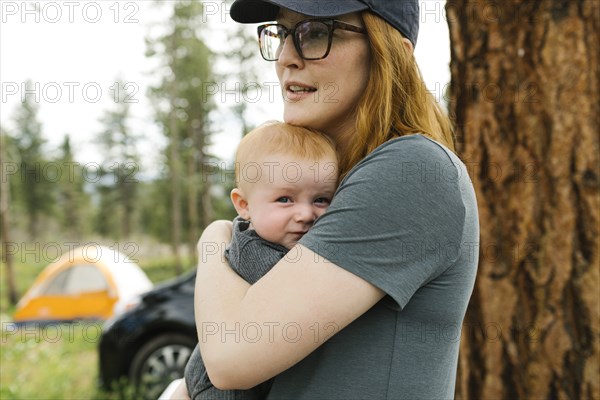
<point x="158" y="362"/>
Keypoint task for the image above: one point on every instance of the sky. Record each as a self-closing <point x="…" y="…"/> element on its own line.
<point x="73" y="52"/>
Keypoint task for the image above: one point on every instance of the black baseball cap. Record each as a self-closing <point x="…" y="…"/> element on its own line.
<point x="401" y="14"/>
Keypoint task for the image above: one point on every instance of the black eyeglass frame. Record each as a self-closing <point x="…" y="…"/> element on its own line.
<point x="332" y="25"/>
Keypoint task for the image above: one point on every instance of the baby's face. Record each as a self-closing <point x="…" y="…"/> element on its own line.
<point x="290" y="195"/>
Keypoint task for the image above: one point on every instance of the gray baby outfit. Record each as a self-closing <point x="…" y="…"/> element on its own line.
<point x="251" y="257"/>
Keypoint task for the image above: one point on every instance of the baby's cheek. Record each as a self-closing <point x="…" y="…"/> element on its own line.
<point x="322" y="211"/>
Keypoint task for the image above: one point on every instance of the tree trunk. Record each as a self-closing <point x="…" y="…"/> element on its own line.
<point x="175" y="187"/>
<point x="7" y="255"/>
<point x="127" y="188"/>
<point x="525" y="95"/>
<point x="192" y="192"/>
<point x="207" y="211"/>
<point x="127" y="210"/>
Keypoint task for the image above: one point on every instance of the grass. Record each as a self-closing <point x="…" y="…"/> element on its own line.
<point x="57" y="361"/>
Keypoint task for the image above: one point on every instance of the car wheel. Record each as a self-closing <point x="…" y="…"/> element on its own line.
<point x="158" y="362"/>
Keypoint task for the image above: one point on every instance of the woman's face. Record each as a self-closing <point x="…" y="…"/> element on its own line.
<point x="323" y="94"/>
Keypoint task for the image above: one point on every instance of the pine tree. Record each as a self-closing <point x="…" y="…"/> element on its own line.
<point x="29" y="141"/>
<point x="72" y="201"/>
<point x="183" y="106"/>
<point x="7" y="169"/>
<point x="119" y="168"/>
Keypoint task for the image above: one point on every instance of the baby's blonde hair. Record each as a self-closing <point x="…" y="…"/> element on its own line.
<point x="274" y="137"/>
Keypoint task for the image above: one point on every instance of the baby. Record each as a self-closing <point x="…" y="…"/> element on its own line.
<point x="286" y="177"/>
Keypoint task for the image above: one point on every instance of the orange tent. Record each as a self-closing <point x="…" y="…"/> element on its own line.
<point x="90" y="282"/>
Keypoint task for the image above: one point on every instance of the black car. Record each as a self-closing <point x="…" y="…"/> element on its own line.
<point x="150" y="344"/>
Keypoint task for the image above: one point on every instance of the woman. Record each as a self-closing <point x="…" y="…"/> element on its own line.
<point x="370" y="304"/>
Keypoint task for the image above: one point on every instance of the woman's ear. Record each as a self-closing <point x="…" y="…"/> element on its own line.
<point x="240" y="203"/>
<point x="409" y="46"/>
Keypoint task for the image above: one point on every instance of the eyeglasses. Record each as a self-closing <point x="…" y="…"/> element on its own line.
<point x="312" y="38"/>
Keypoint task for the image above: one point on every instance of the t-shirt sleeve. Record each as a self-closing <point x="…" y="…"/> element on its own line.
<point x="397" y="218"/>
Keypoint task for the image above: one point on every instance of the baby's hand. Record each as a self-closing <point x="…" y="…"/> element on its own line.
<point x="177" y="390"/>
<point x="181" y="393"/>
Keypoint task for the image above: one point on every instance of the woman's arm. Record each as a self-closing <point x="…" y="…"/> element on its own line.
<point x="249" y="334"/>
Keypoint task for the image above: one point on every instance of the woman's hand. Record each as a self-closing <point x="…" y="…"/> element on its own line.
<point x="214" y="238"/>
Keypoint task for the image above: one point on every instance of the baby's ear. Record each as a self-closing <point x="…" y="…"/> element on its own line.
<point x="240" y="203"/>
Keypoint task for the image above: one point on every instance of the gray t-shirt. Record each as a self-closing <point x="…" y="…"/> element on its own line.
<point x="404" y="219"/>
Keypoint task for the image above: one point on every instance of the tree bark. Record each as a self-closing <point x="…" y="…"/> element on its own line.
<point x="525" y="97"/>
